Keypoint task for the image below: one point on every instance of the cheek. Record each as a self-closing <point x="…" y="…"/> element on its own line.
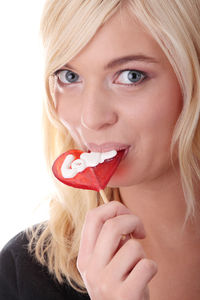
<point x="68" y="114"/>
<point x="156" y="111"/>
<point x="150" y="130"/>
<point x="168" y="107"/>
<point x="162" y="117"/>
<point x="151" y="117"/>
<point x="67" y="110"/>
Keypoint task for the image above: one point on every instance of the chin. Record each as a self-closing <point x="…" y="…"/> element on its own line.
<point x="126" y="177"/>
<point x="121" y="180"/>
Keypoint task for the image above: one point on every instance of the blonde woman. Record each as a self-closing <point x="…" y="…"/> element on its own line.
<point x="119" y="75"/>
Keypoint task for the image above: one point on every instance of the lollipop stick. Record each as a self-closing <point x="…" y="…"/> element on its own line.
<point x="103" y="196"/>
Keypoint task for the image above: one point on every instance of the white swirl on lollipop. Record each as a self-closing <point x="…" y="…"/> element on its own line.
<point x="70" y="167"/>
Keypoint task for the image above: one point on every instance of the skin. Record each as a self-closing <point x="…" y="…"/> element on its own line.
<point x="103" y="105"/>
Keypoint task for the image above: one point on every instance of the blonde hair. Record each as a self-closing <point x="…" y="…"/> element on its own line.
<point x="67" y="26"/>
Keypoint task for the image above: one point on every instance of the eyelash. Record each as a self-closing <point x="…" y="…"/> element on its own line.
<point x="144" y="74"/>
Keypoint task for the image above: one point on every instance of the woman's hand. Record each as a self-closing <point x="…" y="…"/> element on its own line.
<point x="114" y="267"/>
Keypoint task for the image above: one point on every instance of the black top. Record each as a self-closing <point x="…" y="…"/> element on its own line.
<point x="23" y="278"/>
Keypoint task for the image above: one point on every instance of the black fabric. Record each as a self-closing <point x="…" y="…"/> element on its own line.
<point x="23" y="278"/>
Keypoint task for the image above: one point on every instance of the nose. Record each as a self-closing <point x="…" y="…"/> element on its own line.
<point x="98" y="110"/>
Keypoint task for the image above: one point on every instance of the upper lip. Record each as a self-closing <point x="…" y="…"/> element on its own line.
<point x="105" y="147"/>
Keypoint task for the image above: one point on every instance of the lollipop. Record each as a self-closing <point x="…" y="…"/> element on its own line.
<point x="87" y="170"/>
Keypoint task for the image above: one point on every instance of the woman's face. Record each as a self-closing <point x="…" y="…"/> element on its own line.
<point x="121" y="92"/>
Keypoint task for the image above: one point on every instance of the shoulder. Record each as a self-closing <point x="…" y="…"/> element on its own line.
<point x="9" y="259"/>
<point x="23" y="278"/>
<point x="15" y="247"/>
<point x="8" y="271"/>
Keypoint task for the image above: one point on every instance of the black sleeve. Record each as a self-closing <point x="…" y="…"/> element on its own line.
<point x="23" y="278"/>
<point x="8" y="280"/>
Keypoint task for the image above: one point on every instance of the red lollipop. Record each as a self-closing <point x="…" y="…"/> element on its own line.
<point x="87" y="170"/>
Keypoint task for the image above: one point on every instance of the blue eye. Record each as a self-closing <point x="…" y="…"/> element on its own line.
<point x="67" y="77"/>
<point x="131" y="77"/>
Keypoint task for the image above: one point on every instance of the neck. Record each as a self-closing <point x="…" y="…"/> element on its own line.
<point x="161" y="206"/>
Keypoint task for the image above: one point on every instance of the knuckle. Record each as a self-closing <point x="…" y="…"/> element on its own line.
<point x="123" y="293"/>
<point x="105" y="288"/>
<point x="135" y="247"/>
<point x="117" y="206"/>
<point x="137" y="219"/>
<point x="149" y="266"/>
<point x="138" y="222"/>
<point x="108" y="291"/>
<point x="110" y="225"/>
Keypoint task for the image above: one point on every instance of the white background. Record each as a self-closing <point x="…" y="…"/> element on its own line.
<point x="24" y="183"/>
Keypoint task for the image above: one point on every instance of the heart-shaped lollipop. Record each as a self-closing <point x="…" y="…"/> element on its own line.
<point x="91" y="170"/>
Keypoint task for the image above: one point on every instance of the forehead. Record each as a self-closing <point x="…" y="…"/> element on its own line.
<point x="122" y="35"/>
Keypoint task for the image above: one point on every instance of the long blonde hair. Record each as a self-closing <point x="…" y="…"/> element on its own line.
<point x="67" y="26"/>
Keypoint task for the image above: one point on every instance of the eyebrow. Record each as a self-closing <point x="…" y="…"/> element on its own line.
<point x="125" y="59"/>
<point x="122" y="60"/>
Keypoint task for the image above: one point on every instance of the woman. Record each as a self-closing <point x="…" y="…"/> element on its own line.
<point x="119" y="75"/>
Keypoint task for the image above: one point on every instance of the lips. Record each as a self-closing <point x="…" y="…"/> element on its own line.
<point x="107" y="147"/>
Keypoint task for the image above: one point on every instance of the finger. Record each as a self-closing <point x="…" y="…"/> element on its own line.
<point x="109" y="238"/>
<point x="140" y="276"/>
<point x="93" y="225"/>
<point x="125" y="260"/>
